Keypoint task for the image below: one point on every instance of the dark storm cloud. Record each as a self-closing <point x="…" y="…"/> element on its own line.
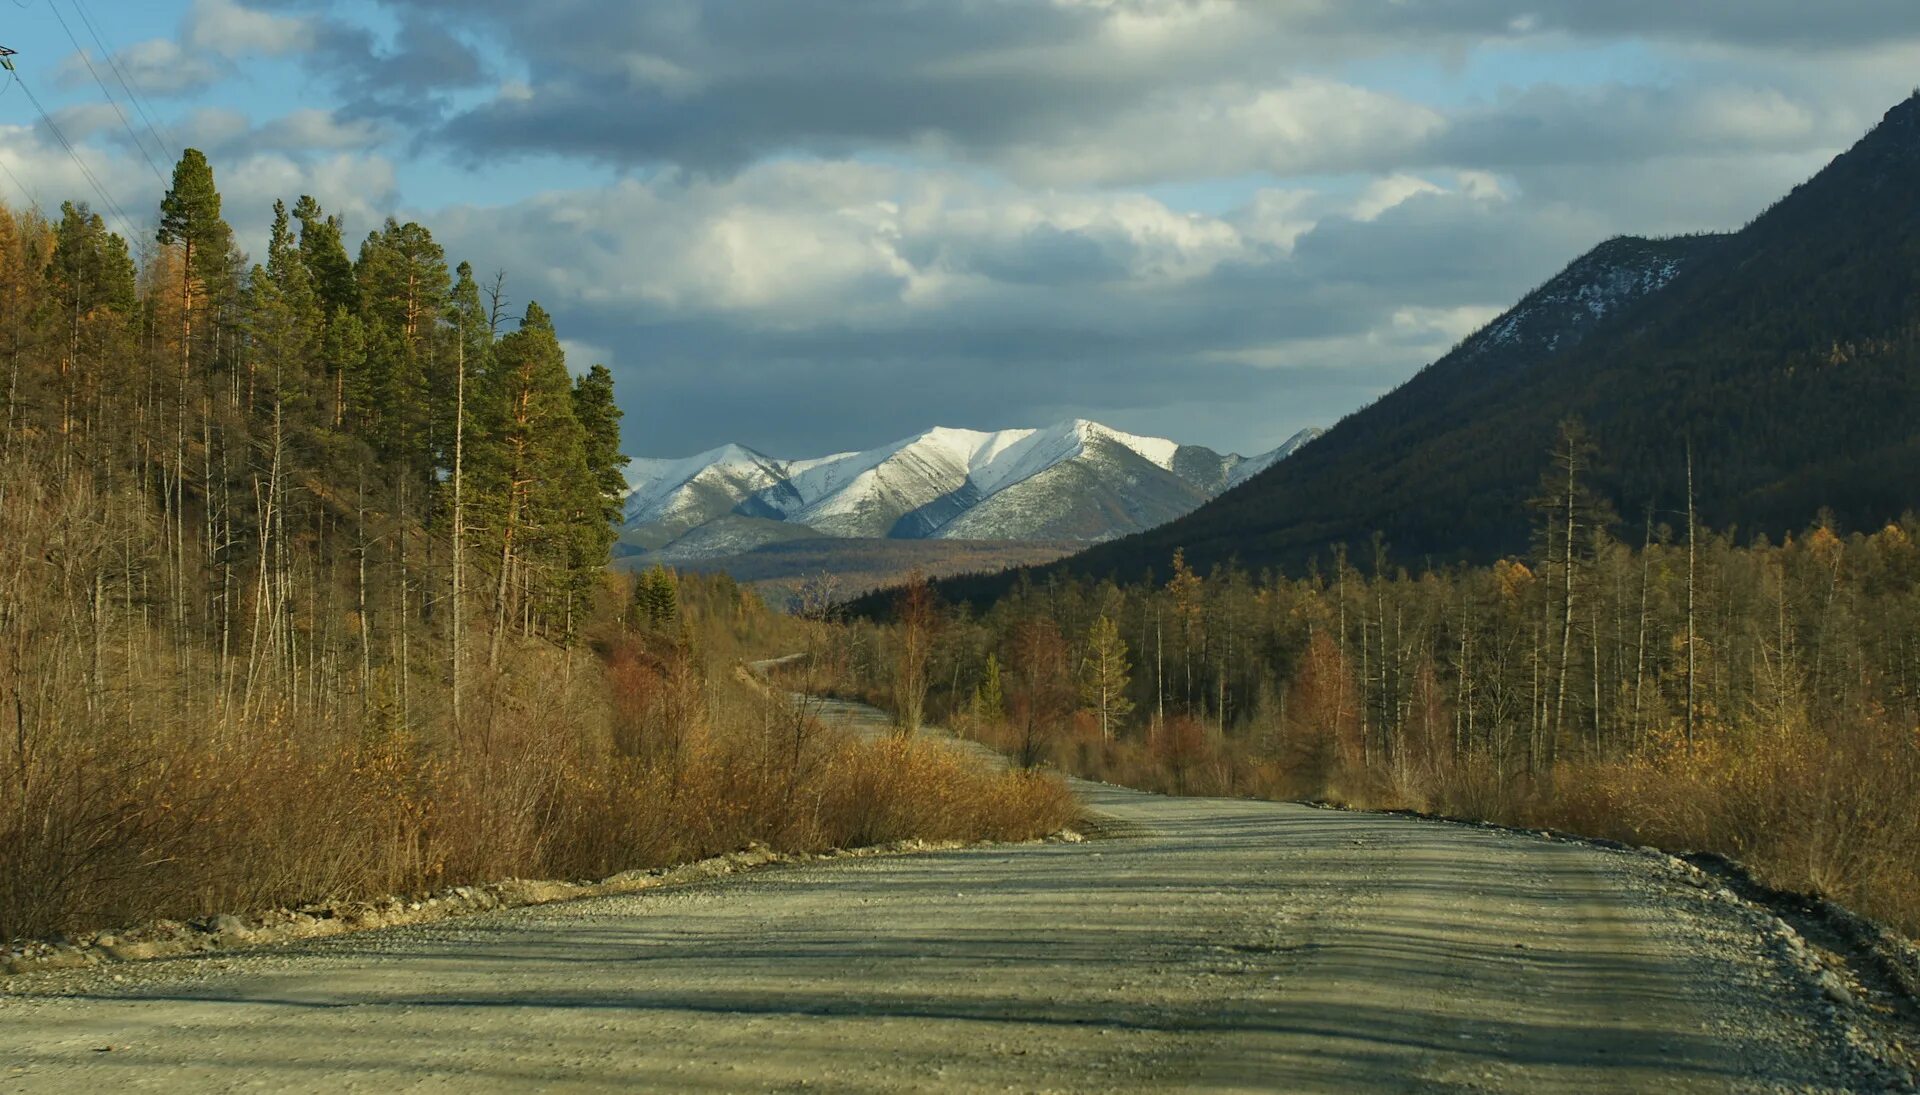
<point x="718" y="84"/>
<point x="406" y="79"/>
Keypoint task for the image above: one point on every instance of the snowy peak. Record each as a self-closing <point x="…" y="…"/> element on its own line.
<point x="671" y="497"/>
<point x="1074" y="480"/>
<point x="1254" y="465"/>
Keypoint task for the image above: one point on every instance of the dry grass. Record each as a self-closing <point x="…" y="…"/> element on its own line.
<point x="1833" y="814"/>
<point x="576" y="767"/>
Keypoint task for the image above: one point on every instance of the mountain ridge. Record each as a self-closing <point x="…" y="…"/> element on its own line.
<point x="1780" y="364"/>
<point x="1074" y="480"/>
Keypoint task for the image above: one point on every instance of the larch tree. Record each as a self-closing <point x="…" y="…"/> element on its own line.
<point x="1104" y="675"/>
<point x="1043" y="688"/>
<point x="1570" y="514"/>
<point x="918" y="616"/>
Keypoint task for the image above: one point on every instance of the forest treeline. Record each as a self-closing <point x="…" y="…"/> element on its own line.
<point x="257" y="453"/>
<point x="303" y="591"/>
<point x="1638" y="676"/>
<point x="1787" y="353"/>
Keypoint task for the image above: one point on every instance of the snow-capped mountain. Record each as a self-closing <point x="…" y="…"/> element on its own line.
<point x="1074" y="481"/>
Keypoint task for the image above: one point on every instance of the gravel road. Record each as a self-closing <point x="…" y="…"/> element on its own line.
<point x="1205" y="944"/>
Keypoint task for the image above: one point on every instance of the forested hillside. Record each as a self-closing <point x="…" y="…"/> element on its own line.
<point x="303" y="595"/>
<point x="314" y="471"/>
<point x="1674" y="688"/>
<point x="1785" y="356"/>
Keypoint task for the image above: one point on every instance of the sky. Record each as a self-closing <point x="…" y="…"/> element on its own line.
<point x="811" y="226"/>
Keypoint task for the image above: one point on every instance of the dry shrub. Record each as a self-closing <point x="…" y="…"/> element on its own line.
<point x="902" y="788"/>
<point x="564" y="772"/>
<point x="1832" y="814"/>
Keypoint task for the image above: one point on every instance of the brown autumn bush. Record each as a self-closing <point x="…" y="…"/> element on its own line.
<point x="1830" y="814"/>
<point x="898" y="788"/>
<point x="567" y="772"/>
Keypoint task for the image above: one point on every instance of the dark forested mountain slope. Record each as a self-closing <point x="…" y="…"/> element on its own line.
<point x="1787" y="353"/>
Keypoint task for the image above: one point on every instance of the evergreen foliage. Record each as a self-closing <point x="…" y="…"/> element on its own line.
<point x="656" y="599"/>
<point x="190" y="218"/>
<point x="599" y="417"/>
<point x="1786" y="356"/>
<point x="298" y="417"/>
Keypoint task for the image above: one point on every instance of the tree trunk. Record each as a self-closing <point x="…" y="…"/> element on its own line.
<point x="456" y="635"/>
<point x="1691" y="560"/>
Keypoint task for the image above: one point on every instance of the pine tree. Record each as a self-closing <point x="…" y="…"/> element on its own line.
<point x="345" y="352"/>
<point x="656" y="599"/>
<point x="285" y="288"/>
<point x="90" y="267"/>
<point x="530" y="476"/>
<point x="92" y="278"/>
<point x="404" y="290"/>
<point x="599" y="416"/>
<point x="472" y="349"/>
<point x="324" y="251"/>
<point x="190" y="219"/>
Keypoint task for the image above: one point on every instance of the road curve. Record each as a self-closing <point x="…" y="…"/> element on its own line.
<point x="1209" y="945"/>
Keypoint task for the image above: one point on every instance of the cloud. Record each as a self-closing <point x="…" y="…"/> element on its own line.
<point x="157" y="66"/>
<point x="405" y="77"/>
<point x="361" y="186"/>
<point x="318" y="129"/>
<point x="219" y="131"/>
<point x="1304" y="126"/>
<point x="232" y="29"/>
<point x="83" y="120"/>
<point x="582" y="356"/>
<point x="1107" y="92"/>
<point x="804" y="300"/>
<point x="841" y="221"/>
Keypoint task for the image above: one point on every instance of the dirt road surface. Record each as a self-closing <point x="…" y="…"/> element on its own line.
<point x="1203" y="944"/>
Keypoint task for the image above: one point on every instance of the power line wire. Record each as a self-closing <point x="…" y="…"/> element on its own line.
<point x="12" y="78"/>
<point x="126" y="222"/>
<point x="22" y="187"/>
<point x="102" y="85"/>
<point x="164" y="143"/>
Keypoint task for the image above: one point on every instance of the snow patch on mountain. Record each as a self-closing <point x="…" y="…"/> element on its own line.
<point x="661" y="489"/>
<point x="1073" y="480"/>
<point x="1611" y="277"/>
<point x="1254" y="465"/>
